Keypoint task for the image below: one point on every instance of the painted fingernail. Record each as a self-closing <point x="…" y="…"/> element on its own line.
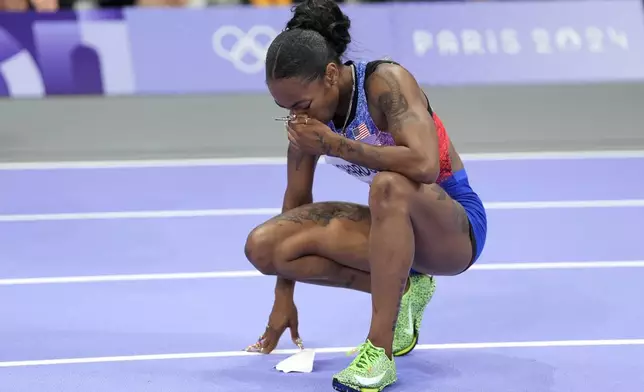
<point x="299" y="343"/>
<point x="251" y="349"/>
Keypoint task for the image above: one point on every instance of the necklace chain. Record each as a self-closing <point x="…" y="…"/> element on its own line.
<point x="353" y="90"/>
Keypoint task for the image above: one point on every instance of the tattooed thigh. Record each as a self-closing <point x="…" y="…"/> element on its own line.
<point x="450" y="214"/>
<point x="442" y="232"/>
<point x="323" y="213"/>
<point x="338" y="231"/>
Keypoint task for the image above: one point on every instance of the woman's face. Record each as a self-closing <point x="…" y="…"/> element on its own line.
<point x="317" y="99"/>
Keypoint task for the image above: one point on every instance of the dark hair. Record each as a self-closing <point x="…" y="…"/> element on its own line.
<point x="316" y="35"/>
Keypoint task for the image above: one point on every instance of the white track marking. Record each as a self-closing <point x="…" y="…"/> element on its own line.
<point x="140" y="214"/>
<point x="510" y="205"/>
<point x="557" y="265"/>
<point x="503" y="156"/>
<point x="529" y="205"/>
<point x="328" y="350"/>
<point x="129" y="278"/>
<point x="254" y="274"/>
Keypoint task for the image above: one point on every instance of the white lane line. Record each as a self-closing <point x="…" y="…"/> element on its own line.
<point x="159" y="214"/>
<point x="129" y="277"/>
<point x="253" y="274"/>
<point x="139" y="214"/>
<point x="557" y="265"/>
<point x="332" y="350"/>
<point x="534" y="205"/>
<point x="244" y="161"/>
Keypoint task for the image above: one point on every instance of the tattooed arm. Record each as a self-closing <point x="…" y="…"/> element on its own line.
<point x="396" y="94"/>
<point x="300" y="168"/>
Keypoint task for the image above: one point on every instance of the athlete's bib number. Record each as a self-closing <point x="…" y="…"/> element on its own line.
<point x="360" y="172"/>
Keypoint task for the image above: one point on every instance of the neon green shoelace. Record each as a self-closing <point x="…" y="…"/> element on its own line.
<point x="366" y="356"/>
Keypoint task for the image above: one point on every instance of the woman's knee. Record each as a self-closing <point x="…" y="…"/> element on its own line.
<point x="390" y="190"/>
<point x="260" y="249"/>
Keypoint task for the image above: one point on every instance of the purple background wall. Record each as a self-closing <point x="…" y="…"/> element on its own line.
<point x="220" y="50"/>
<point x="504" y="76"/>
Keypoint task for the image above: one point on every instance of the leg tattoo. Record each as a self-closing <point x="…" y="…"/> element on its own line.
<point x="323" y="213"/>
<point x="296" y="258"/>
<point x="403" y="286"/>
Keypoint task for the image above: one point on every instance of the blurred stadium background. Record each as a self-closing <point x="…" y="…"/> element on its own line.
<point x="583" y="94"/>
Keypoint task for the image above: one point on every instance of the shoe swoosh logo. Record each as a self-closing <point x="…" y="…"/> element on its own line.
<point x="410" y="328"/>
<point x="370" y="380"/>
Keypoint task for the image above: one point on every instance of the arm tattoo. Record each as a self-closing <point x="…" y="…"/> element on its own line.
<point x="344" y="148"/>
<point x="326" y="146"/>
<point x="393" y="103"/>
<point x="296" y="155"/>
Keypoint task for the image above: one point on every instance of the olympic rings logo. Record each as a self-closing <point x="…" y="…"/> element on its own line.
<point x="246" y="44"/>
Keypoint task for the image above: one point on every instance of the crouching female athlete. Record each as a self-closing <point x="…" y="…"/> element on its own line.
<point x="373" y="121"/>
